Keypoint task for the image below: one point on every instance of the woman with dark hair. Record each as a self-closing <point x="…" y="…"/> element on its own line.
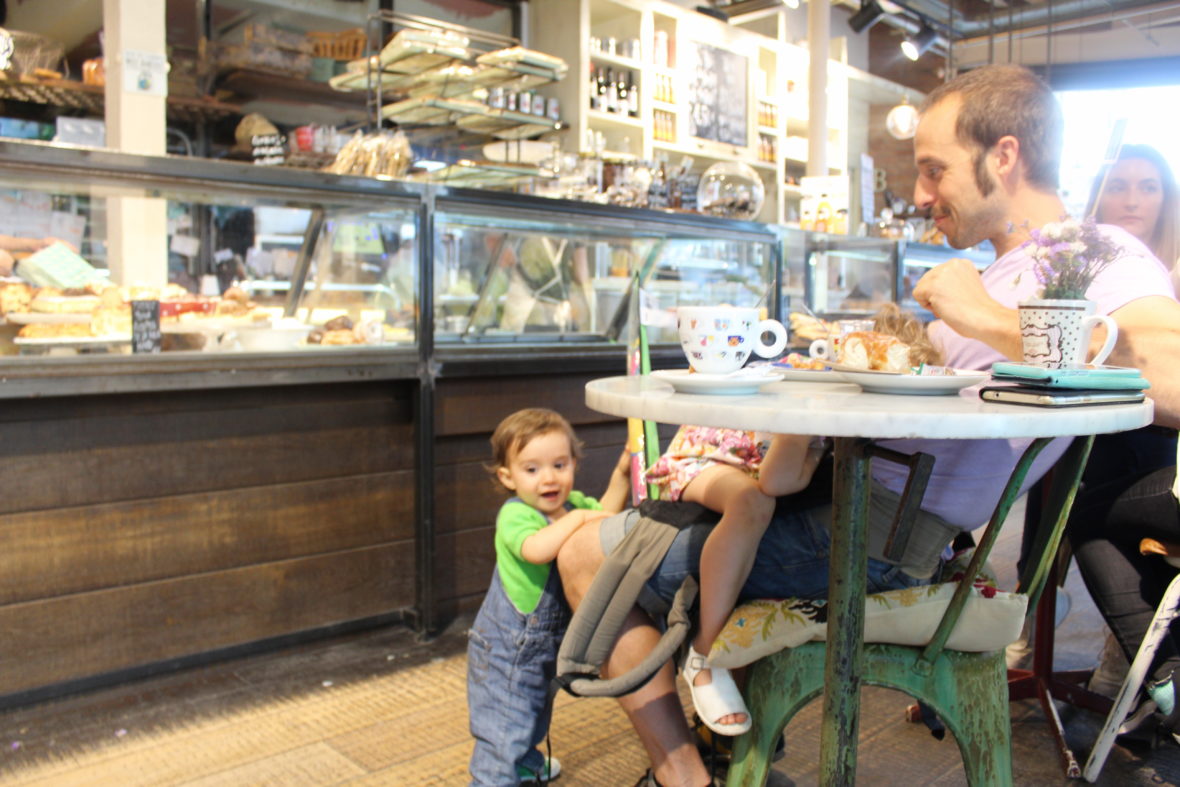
<point x="1129" y="487"/>
<point x="1138" y="193"/>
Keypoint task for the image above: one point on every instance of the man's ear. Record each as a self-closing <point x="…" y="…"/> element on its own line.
<point x="1006" y="153"/>
<point x="505" y="478"/>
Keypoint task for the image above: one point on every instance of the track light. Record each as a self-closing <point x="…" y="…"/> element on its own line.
<point x="864" y="18"/>
<point x="914" y="46"/>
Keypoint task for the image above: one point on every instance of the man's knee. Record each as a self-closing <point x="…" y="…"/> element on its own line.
<point x="578" y="562"/>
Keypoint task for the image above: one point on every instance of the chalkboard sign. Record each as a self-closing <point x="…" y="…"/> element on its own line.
<point x="717" y="95"/>
<point x="145" y="326"/>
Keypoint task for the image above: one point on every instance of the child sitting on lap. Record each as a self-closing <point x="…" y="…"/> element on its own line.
<point x="738" y="474"/>
<point x="512" y="647"/>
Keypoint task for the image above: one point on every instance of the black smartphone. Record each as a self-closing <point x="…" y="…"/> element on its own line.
<point x="1057" y="397"/>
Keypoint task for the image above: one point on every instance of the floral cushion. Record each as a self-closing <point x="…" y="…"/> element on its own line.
<point x="991" y="619"/>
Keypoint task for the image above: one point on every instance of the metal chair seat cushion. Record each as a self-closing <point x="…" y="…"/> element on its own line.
<point x="991" y="620"/>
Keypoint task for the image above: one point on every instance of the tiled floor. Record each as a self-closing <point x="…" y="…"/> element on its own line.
<point x="379" y="708"/>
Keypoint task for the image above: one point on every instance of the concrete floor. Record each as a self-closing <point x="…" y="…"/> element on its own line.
<point x="380" y="708"/>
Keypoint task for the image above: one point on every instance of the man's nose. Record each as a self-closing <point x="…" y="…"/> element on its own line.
<point x="923" y="197"/>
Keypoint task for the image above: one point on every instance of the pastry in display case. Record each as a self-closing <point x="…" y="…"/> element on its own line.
<point x="510" y="275"/>
<point x="242" y="268"/>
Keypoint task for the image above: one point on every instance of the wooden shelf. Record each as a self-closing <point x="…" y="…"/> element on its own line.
<point x="92" y="98"/>
<point x="252" y="85"/>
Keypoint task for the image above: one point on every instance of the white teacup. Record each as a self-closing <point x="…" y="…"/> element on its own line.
<point x="720" y="339"/>
<point x="830" y="350"/>
<point x="1056" y="333"/>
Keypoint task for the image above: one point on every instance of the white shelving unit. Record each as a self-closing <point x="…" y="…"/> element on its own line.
<point x="776" y="80"/>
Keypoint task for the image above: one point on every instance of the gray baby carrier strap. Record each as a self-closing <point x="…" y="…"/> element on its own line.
<point x="615" y="590"/>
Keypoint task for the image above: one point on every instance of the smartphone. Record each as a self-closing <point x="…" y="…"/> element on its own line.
<point x="1050" y="397"/>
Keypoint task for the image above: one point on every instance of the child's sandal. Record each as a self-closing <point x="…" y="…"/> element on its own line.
<point x="717" y="699"/>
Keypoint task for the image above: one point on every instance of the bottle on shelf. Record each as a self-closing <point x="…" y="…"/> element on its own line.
<point x="595" y="95"/>
<point x="624" y="100"/>
<point x="823" y="214"/>
<point x="612" y="92"/>
<point x="632" y="95"/>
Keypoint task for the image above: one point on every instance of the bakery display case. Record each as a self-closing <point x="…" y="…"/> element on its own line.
<point x="537" y="271"/>
<point x="848" y="276"/>
<point x="239" y="258"/>
<point x="914" y="259"/>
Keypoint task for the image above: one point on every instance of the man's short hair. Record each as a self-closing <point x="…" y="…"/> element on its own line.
<point x="1002" y="100"/>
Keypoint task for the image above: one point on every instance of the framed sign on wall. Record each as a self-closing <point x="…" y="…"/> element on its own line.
<point x="717" y="94"/>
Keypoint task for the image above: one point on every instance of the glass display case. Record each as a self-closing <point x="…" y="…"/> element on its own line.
<point x="917" y="258"/>
<point x="509" y="272"/>
<point x="239" y="258"/>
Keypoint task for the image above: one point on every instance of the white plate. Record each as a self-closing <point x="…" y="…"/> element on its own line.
<point x="48" y="318"/>
<point x="914" y="384"/>
<point x="685" y="381"/>
<point x="72" y="341"/>
<point x="809" y="375"/>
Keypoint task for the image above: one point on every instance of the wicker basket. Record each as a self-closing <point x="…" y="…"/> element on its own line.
<point x="344" y="45"/>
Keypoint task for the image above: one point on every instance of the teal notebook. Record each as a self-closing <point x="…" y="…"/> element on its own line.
<point x="57" y="266"/>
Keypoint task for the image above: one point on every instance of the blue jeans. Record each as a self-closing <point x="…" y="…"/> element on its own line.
<point x="511" y="659"/>
<point x="791" y="561"/>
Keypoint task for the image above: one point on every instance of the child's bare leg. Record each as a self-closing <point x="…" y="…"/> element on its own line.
<point x="728" y="554"/>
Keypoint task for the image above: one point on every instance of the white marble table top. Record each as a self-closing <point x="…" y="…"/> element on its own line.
<point x="843" y="410"/>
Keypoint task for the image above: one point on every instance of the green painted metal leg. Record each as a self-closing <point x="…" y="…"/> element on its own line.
<point x="965" y="689"/>
<point x="778" y="686"/>
<point x="846" y="612"/>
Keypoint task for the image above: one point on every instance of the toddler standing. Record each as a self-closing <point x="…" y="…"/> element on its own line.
<point x="512" y="646"/>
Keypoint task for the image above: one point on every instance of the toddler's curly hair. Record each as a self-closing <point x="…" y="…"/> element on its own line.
<point x="908" y="328"/>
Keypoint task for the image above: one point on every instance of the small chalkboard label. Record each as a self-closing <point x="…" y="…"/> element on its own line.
<point x="145" y="326"/>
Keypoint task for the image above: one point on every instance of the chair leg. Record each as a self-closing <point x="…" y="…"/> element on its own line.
<point x="965" y="689"/>
<point x="1165" y="613"/>
<point x="776" y="688"/>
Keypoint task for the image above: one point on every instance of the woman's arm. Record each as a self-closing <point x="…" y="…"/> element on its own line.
<point x="543" y="546"/>
<point x="614" y="499"/>
<point x="789" y="464"/>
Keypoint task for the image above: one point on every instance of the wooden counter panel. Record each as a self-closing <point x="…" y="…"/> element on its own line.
<point x="66" y="551"/>
<point x="66" y="456"/>
<point x="92" y="633"/>
<point x="476" y="405"/>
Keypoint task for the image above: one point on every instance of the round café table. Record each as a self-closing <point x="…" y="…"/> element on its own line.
<point x="852" y="418"/>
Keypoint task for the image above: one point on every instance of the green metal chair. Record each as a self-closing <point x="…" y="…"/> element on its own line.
<point x="967" y="690"/>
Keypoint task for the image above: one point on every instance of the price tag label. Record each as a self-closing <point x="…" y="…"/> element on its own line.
<point x="145" y="326"/>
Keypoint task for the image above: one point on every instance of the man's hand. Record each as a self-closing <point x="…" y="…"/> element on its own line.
<point x="955" y="293"/>
<point x="7" y="263"/>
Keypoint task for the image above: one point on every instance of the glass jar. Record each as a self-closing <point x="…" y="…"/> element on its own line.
<point x="732" y="190"/>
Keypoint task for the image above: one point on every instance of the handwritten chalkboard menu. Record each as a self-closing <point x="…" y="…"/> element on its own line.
<point x="717" y="94"/>
<point x="145" y="326"/>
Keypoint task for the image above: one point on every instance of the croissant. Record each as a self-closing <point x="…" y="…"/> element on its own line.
<point x="876" y="351"/>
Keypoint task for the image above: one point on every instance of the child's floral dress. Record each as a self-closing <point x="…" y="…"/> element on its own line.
<point x="696" y="447"/>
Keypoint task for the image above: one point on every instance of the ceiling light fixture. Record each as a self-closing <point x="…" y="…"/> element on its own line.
<point x="914" y="46"/>
<point x="866" y="16"/>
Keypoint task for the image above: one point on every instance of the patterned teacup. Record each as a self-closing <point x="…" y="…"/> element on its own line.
<point x="1056" y="333"/>
<point x="720" y="339"/>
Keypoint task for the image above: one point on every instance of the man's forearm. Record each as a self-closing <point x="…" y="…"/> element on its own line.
<point x="1149" y="339"/>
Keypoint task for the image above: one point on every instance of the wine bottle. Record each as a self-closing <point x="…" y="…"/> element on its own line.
<point x="632" y="95"/>
<point x="612" y="92"/>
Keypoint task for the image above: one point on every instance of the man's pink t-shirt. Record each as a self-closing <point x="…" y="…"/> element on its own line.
<point x="969" y="475"/>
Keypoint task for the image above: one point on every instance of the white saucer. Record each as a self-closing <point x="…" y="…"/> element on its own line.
<point x="685" y="381"/>
<point x="913" y="384"/>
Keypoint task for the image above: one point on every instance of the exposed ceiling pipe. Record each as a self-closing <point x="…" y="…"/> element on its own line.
<point x="1125" y="17"/>
<point x="1027" y="16"/>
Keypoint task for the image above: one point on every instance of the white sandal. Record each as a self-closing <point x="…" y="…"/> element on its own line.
<point x="715" y="699"/>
